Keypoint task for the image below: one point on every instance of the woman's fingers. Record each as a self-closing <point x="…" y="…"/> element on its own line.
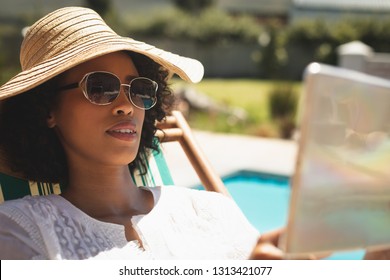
<point x="266" y="251"/>
<point x="272" y="236"/>
<point x="267" y="246"/>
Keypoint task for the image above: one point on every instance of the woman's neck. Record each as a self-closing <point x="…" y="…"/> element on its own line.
<point x="105" y="193"/>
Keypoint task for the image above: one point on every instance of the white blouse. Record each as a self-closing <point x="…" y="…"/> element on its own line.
<point x="184" y="224"/>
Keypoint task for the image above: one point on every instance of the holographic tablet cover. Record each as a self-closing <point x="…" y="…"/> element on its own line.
<point x="340" y="198"/>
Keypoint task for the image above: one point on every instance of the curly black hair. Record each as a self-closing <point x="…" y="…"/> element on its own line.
<point x="33" y="150"/>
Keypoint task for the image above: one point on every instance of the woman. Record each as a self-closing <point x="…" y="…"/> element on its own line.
<point x="84" y="107"/>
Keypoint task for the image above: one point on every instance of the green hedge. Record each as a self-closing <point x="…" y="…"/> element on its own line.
<point x="288" y="49"/>
<point x="319" y="40"/>
<point x="209" y="26"/>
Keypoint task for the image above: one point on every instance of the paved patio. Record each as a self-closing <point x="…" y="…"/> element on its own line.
<point x="229" y="153"/>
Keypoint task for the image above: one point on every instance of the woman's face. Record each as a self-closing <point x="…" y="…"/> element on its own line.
<point x="100" y="134"/>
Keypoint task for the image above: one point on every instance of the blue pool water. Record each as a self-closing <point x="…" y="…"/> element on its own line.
<point x="264" y="199"/>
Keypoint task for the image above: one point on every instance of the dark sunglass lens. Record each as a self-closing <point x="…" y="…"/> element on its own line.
<point x="143" y="92"/>
<point x="102" y="88"/>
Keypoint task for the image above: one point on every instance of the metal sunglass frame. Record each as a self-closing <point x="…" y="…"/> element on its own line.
<point x="83" y="82"/>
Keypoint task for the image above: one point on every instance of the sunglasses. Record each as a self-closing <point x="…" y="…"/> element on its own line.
<point x="102" y="88"/>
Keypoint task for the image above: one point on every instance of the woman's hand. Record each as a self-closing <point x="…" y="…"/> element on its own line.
<point x="378" y="255"/>
<point x="267" y="248"/>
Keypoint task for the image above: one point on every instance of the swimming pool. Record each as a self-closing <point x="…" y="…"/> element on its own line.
<point x="264" y="199"/>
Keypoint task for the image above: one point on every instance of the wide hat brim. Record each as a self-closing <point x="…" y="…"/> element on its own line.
<point x="94" y="44"/>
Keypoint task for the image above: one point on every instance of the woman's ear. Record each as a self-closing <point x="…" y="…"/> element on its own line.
<point x="51" y="121"/>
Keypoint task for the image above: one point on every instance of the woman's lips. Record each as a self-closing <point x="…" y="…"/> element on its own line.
<point x="123" y="131"/>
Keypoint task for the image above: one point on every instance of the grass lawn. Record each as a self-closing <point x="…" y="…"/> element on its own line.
<point x="248" y="94"/>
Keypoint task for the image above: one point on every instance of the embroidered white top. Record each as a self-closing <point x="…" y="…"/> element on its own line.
<point x="184" y="224"/>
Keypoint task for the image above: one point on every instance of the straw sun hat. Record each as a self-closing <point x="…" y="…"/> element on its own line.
<point x="73" y="35"/>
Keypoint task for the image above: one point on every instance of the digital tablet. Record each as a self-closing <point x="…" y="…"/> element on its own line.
<point x="340" y="196"/>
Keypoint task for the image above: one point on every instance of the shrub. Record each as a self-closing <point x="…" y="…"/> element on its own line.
<point x="283" y="103"/>
<point x="272" y="55"/>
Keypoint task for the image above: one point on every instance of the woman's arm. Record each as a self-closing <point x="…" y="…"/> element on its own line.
<point x="267" y="248"/>
<point x="15" y="243"/>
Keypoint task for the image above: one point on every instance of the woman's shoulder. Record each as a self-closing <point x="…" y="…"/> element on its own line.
<point x="28" y="205"/>
<point x="19" y="215"/>
<point x="29" y="200"/>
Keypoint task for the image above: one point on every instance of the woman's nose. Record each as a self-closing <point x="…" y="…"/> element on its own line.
<point x="123" y="105"/>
